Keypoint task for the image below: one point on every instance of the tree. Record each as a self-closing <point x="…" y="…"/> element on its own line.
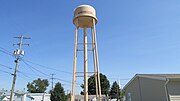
<point x="122" y="93"/>
<point x="58" y="93"/>
<point x="38" y="86"/>
<point x="92" y="85"/>
<point x="115" y="91"/>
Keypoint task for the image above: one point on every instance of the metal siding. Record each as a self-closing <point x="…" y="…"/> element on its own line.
<point x="152" y="90"/>
<point x="47" y="98"/>
<point x="37" y="98"/>
<point x="133" y="88"/>
<point x="174" y="90"/>
<point x="174" y="87"/>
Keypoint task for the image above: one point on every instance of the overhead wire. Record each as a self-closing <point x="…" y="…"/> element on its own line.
<point x="6" y="72"/>
<point x="35" y="68"/>
<point x="32" y="69"/>
<point x="47" y="67"/>
<point x="6" y="53"/>
<point x="25" y="75"/>
<point x="11" y="73"/>
<point x="63" y="80"/>
<point x="5" y="66"/>
<point x="5" y="50"/>
<point x="45" y="73"/>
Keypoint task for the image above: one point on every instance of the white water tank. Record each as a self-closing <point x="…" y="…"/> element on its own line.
<point x="84" y="15"/>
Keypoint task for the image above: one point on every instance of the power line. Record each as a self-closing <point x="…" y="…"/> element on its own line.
<point x="6" y="53"/>
<point x="5" y="66"/>
<point x="35" y="68"/>
<point x="32" y="69"/>
<point x="30" y="75"/>
<point x="47" y="67"/>
<point x="45" y="73"/>
<point x="63" y="80"/>
<point x="25" y="75"/>
<point x="6" y="72"/>
<point x="66" y="81"/>
<point x="5" y="50"/>
<point x="12" y="68"/>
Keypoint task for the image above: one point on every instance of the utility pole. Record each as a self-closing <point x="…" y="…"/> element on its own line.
<point x="18" y="53"/>
<point x="52" y="80"/>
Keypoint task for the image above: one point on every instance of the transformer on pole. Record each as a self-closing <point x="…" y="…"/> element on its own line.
<point x="85" y="18"/>
<point x="18" y="53"/>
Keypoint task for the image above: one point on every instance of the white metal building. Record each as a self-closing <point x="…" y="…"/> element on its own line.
<point x="40" y="96"/>
<point x="90" y="98"/>
<point x="153" y="87"/>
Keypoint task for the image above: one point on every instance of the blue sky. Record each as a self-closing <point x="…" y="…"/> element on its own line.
<point x="134" y="36"/>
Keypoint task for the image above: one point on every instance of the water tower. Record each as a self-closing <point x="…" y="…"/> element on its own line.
<point x="85" y="18"/>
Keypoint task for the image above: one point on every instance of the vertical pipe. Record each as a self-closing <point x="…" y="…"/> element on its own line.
<point x="74" y="66"/>
<point x="85" y="67"/>
<point x="166" y="89"/>
<point x="96" y="54"/>
<point x="95" y="64"/>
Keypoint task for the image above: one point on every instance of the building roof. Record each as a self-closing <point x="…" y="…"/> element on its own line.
<point x="38" y="94"/>
<point x="163" y="77"/>
<point x="19" y="92"/>
<point x="89" y="96"/>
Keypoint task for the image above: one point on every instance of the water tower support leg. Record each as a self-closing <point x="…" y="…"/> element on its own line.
<point x="95" y="64"/>
<point x="74" y="66"/>
<point x="85" y="66"/>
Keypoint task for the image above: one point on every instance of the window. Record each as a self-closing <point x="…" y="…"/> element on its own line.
<point x="129" y="97"/>
<point x="103" y="99"/>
